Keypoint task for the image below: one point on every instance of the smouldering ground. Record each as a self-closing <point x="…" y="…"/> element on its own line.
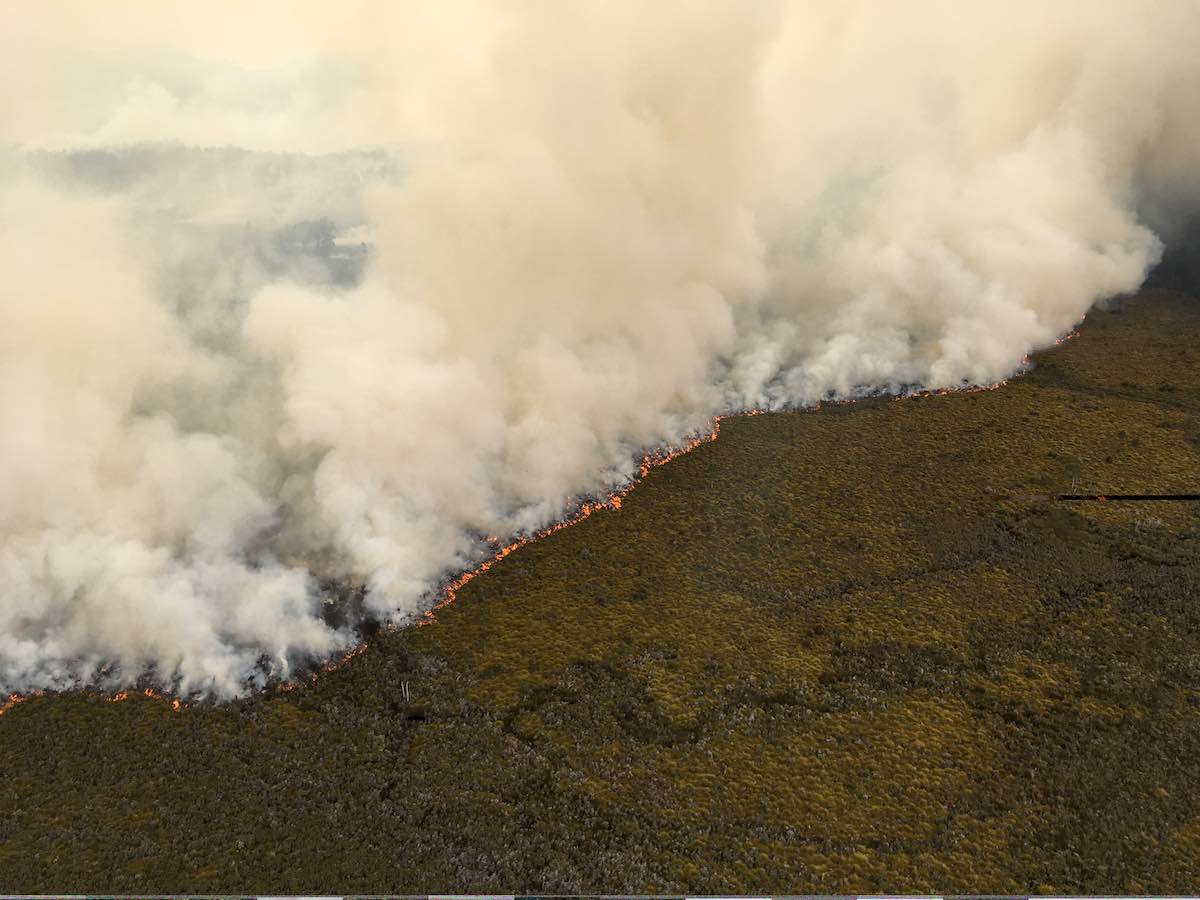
<point x="813" y="656"/>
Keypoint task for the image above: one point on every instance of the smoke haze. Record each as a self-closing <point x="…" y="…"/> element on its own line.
<point x="294" y="294"/>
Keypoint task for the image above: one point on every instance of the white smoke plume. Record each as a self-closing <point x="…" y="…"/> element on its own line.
<point x="296" y="293"/>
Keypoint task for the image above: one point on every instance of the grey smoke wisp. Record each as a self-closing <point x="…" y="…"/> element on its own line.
<point x="294" y="294"/>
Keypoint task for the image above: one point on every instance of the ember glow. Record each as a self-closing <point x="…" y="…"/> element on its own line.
<point x="16" y="699"/>
<point x="613" y="502"/>
<point x="297" y="295"/>
<point x="117" y="697"/>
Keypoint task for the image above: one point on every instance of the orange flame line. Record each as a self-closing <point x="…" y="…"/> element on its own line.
<point x="649" y="461"/>
<point x="17" y="699"/>
<point x="613" y="501"/>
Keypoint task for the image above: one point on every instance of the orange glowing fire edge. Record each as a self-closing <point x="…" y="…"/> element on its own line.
<point x="613" y="502"/>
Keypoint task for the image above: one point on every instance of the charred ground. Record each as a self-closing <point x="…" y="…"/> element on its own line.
<point x="813" y="656"/>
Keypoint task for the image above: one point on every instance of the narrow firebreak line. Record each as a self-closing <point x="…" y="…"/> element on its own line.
<point x="1127" y="496"/>
<point x="1103" y="498"/>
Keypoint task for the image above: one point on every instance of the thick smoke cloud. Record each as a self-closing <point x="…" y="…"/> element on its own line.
<point x="335" y="303"/>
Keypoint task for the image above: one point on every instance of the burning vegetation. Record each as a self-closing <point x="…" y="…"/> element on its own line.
<point x="814" y="652"/>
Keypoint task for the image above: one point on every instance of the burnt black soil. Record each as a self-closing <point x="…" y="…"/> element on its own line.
<point x="816" y="655"/>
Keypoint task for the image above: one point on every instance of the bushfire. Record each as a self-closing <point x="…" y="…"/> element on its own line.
<point x="449" y="592"/>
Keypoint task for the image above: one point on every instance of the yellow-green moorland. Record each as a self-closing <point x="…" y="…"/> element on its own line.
<point x="824" y="653"/>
